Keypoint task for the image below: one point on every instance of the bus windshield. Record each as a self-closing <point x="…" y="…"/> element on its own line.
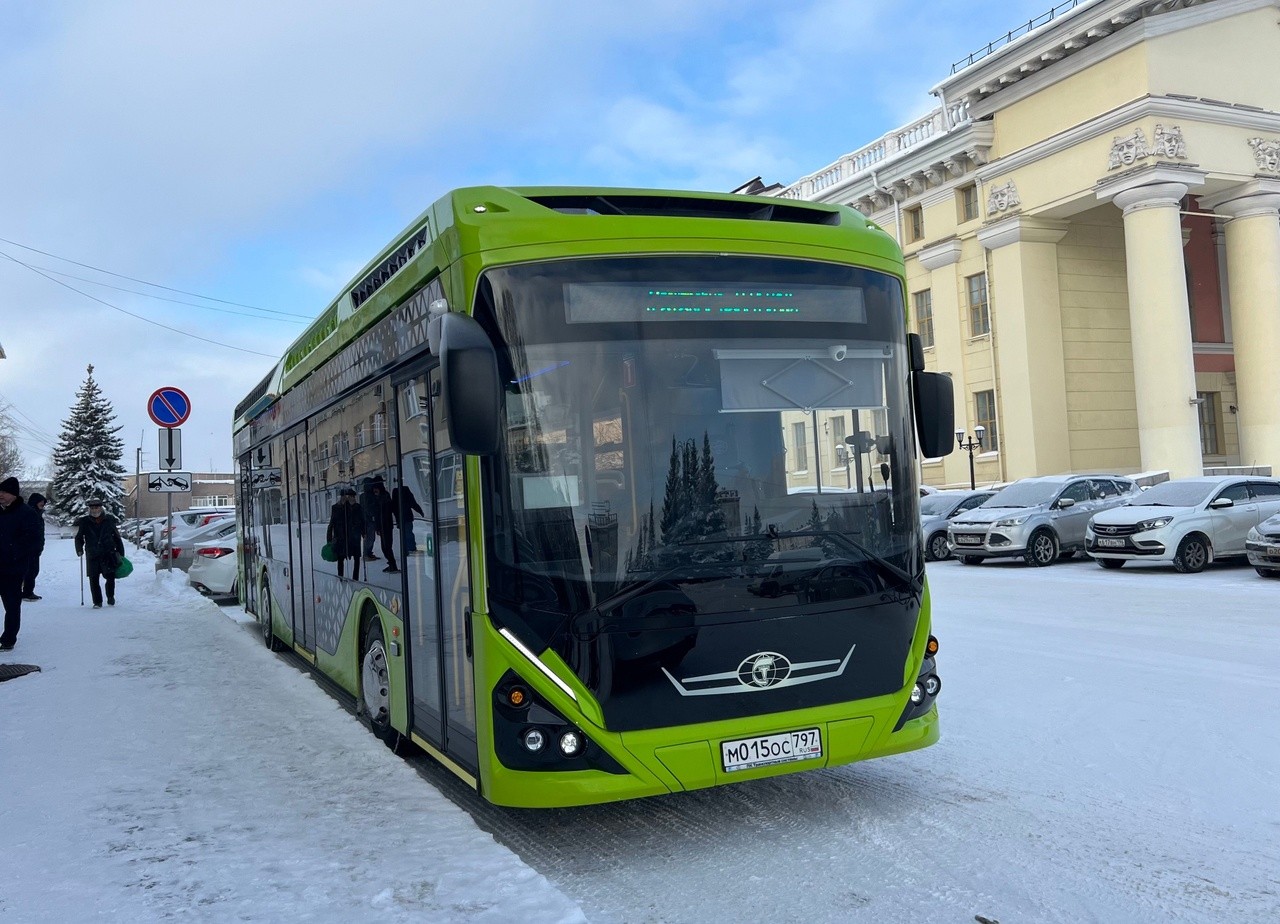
<point x="731" y="432"/>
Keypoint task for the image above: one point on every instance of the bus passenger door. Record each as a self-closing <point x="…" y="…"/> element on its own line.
<point x="300" y="548"/>
<point x="415" y="507"/>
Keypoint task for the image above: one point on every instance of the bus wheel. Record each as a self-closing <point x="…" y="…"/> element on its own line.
<point x="264" y="619"/>
<point x="375" y="687"/>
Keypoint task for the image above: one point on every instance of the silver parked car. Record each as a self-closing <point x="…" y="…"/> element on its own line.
<point x="937" y="510"/>
<point x="1036" y="519"/>
<point x="1188" y="521"/>
<point x="1262" y="544"/>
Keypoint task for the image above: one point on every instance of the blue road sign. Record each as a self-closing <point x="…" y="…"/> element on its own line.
<point x="169" y="407"/>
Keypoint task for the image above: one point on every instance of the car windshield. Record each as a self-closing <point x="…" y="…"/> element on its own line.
<point x="660" y="429"/>
<point x="937" y="505"/>
<point x="1176" y="494"/>
<point x="1025" y="494"/>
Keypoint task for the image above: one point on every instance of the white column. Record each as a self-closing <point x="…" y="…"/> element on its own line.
<point x="1253" y="279"/>
<point x="1160" y="325"/>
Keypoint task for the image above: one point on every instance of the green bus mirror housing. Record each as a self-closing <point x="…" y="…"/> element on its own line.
<point x="470" y="386"/>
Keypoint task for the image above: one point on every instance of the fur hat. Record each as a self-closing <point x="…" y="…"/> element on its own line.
<point x="36" y="498"/>
<point x="94" y="502"/>
<point x="10" y="486"/>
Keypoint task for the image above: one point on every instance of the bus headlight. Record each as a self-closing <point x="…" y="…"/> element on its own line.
<point x="917" y="694"/>
<point x="533" y="740"/>
<point x="571" y="744"/>
<point x="932" y="685"/>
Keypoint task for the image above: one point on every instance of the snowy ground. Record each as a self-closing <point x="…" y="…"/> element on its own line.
<point x="1108" y="755"/>
<point x="164" y="764"/>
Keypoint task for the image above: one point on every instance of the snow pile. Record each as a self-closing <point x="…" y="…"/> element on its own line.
<point x="165" y="764"/>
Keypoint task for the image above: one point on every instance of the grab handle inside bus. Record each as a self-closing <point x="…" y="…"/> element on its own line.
<point x="470" y="386"/>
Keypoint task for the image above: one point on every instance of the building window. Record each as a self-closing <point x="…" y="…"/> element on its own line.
<point x="839" y="430"/>
<point x="801" y="448"/>
<point x="967" y="202"/>
<point x="984" y="413"/>
<point x="979" y="312"/>
<point x="915" y="224"/>
<point x="923" y="303"/>
<point x="1210" y="409"/>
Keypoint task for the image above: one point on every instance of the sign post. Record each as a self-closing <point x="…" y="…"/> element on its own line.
<point x="169" y="409"/>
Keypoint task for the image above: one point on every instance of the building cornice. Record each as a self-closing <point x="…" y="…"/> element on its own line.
<point x="1151" y="177"/>
<point x="1074" y="42"/>
<point x="936" y="256"/>
<point x="1263" y="189"/>
<point x="1021" y="229"/>
<point x="1166" y="107"/>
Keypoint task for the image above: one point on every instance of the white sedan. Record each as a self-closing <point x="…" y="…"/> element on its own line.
<point x="1189" y="522"/>
<point x="215" y="567"/>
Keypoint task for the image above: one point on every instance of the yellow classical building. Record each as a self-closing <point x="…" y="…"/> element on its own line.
<point x="1091" y="219"/>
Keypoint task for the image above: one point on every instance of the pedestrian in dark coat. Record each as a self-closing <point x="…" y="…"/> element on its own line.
<point x="346" y="532"/>
<point x="36" y="502"/>
<point x="369" y="507"/>
<point x="385" y="522"/>
<point x="19" y="536"/>
<point x="98" y="540"/>
<point x="405" y="505"/>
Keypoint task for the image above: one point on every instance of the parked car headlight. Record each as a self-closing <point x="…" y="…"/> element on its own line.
<point x="1254" y="535"/>
<point x="1014" y="521"/>
<point x="1155" y="524"/>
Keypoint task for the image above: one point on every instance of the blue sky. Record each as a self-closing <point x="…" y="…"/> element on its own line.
<point x="260" y="153"/>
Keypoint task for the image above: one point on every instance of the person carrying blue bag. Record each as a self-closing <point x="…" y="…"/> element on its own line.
<point x="98" y="540"/>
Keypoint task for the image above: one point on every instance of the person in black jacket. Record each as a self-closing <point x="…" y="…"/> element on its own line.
<point x="385" y="522"/>
<point x="19" y="535"/>
<point x="98" y="540"/>
<point x="346" y="531"/>
<point x="36" y="502"/>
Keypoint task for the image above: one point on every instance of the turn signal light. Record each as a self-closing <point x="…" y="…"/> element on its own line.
<point x="931" y="647"/>
<point x="517" y="696"/>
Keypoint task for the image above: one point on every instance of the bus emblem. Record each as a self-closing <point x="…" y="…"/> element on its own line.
<point x="764" y="669"/>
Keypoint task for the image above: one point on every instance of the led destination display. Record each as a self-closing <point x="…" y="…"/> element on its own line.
<point x="611" y="302"/>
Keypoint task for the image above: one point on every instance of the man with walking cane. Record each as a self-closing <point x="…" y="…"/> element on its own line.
<point x="19" y="535"/>
<point x="100" y="544"/>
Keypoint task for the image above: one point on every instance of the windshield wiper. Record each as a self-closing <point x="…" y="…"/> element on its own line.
<point x="615" y="600"/>
<point x="884" y="564"/>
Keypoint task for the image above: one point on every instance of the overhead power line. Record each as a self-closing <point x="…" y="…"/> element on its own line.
<point x="139" y="317"/>
<point x="144" y="282"/>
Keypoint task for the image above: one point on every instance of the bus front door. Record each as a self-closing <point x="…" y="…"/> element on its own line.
<point x="437" y="571"/>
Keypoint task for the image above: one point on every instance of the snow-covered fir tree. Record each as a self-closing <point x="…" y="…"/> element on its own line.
<point x="87" y="457"/>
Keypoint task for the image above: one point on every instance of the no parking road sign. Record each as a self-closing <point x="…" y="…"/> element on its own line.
<point x="169" y="406"/>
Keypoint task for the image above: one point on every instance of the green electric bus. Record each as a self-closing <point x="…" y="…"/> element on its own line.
<point x="636" y="497"/>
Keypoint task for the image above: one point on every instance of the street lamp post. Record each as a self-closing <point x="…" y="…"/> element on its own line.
<point x="970" y="443"/>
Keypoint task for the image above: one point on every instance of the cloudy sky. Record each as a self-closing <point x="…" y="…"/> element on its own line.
<point x="183" y="185"/>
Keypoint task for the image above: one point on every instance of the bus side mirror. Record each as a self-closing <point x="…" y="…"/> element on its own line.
<point x="470" y="386"/>
<point x="935" y="413"/>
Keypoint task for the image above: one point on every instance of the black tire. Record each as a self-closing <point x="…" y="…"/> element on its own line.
<point x="1112" y="564"/>
<point x="1192" y="555"/>
<point x="970" y="559"/>
<point x="1042" y="549"/>
<point x="264" y="619"/>
<point x="1267" y="572"/>
<point x="375" y="687"/>
<point x="936" y="547"/>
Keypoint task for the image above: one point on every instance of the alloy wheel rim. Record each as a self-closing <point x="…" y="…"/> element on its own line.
<point x="374" y="682"/>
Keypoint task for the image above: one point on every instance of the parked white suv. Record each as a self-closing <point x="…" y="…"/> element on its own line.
<point x="1036" y="519"/>
<point x="1188" y="521"/>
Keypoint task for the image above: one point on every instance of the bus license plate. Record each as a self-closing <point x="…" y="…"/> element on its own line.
<point x="745" y="753"/>
<point x="1110" y="543"/>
